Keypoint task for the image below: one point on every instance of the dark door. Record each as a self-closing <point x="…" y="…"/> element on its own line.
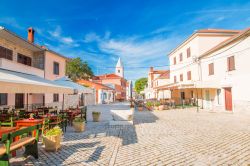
<point x="19" y="100"/>
<point x="228" y="99"/>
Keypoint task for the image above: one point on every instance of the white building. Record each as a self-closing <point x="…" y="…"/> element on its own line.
<point x="184" y="68"/>
<point x="225" y="74"/>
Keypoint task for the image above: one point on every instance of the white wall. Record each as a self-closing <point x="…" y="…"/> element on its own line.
<point x="238" y="80"/>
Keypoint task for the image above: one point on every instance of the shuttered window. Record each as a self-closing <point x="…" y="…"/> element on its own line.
<point x="55" y="97"/>
<point x="211" y="69"/>
<point x="174" y="60"/>
<point x="23" y="59"/>
<point x="6" y="53"/>
<point x="230" y="63"/>
<point x="180" y="57"/>
<point x="175" y="79"/>
<point x="56" y="68"/>
<point x="188" y="52"/>
<point x="3" y="98"/>
<point x="181" y="77"/>
<point x="189" y="75"/>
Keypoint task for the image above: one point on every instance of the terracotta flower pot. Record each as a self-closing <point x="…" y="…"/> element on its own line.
<point x="79" y="126"/>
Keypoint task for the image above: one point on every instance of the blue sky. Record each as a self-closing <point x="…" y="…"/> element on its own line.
<point x="141" y="32"/>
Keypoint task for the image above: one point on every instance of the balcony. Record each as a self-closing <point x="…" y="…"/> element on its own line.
<point x="15" y="66"/>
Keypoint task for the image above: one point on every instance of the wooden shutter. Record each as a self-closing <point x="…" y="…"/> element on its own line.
<point x="230" y="63"/>
<point x="189" y="75"/>
<point x="180" y="57"/>
<point x="181" y="77"/>
<point x="174" y="60"/>
<point x="188" y="52"/>
<point x="175" y="79"/>
<point x="211" y="69"/>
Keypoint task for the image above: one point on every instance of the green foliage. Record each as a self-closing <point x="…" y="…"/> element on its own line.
<point x="140" y="84"/>
<point x="157" y="104"/>
<point x="149" y="104"/>
<point x="78" y="119"/>
<point x="77" y="69"/>
<point x="54" y="131"/>
<point x="96" y="113"/>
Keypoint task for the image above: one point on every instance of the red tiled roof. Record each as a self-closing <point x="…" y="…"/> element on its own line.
<point x="217" y="31"/>
<point x="107" y="76"/>
<point x="225" y="32"/>
<point x="94" y="84"/>
<point x="166" y="75"/>
<point x="227" y="41"/>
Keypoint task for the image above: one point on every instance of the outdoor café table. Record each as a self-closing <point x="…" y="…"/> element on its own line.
<point x="28" y="123"/>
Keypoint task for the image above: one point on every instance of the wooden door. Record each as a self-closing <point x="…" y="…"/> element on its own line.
<point x="19" y="100"/>
<point x="228" y="99"/>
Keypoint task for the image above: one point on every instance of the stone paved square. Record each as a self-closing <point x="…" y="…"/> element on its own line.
<point x="172" y="137"/>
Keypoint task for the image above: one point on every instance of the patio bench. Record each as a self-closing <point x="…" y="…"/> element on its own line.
<point x="30" y="143"/>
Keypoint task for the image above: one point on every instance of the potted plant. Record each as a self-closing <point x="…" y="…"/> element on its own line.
<point x="156" y="105"/>
<point x="52" y="139"/>
<point x="96" y="116"/>
<point x="132" y="106"/>
<point x="79" y="124"/>
<point x="149" y="105"/>
<point x="140" y="107"/>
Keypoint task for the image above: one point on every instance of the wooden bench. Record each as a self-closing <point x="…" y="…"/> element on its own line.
<point x="30" y="143"/>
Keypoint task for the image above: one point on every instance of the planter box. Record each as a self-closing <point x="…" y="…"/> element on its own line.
<point x="52" y="143"/>
<point x="96" y="117"/>
<point x="79" y="126"/>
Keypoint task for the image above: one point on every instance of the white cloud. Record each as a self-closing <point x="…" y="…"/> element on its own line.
<point x="11" y="22"/>
<point x="57" y="34"/>
<point x="90" y="37"/>
<point x="139" y="54"/>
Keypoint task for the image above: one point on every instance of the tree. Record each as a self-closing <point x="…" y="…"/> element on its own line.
<point x="140" y="84"/>
<point x="77" y="69"/>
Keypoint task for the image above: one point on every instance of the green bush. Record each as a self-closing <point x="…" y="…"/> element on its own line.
<point x="54" y="131"/>
<point x="78" y="119"/>
<point x="96" y="113"/>
<point x="149" y="104"/>
<point x="157" y="104"/>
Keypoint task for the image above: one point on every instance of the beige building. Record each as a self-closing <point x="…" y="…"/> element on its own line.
<point x="225" y="77"/>
<point x="184" y="68"/>
<point x="25" y="62"/>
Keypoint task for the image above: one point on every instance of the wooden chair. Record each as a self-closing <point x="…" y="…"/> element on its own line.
<point x="30" y="143"/>
<point x="8" y="123"/>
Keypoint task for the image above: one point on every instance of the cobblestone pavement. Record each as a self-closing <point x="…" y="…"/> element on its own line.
<point x="174" y="137"/>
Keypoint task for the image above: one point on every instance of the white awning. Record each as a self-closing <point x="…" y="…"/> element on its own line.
<point x="16" y="82"/>
<point x="65" y="81"/>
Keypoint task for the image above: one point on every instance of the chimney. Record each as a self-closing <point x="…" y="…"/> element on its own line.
<point x="31" y="33"/>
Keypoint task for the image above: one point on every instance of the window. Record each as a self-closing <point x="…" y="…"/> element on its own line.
<point x="23" y="59"/>
<point x="175" y="79"/>
<point x="181" y="77"/>
<point x="118" y="71"/>
<point x="55" y="97"/>
<point x="6" y="53"/>
<point x="188" y="52"/>
<point x="211" y="69"/>
<point x="189" y="75"/>
<point x="174" y="60"/>
<point x="180" y="57"/>
<point x="56" y="68"/>
<point x="3" y="98"/>
<point x="230" y="63"/>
